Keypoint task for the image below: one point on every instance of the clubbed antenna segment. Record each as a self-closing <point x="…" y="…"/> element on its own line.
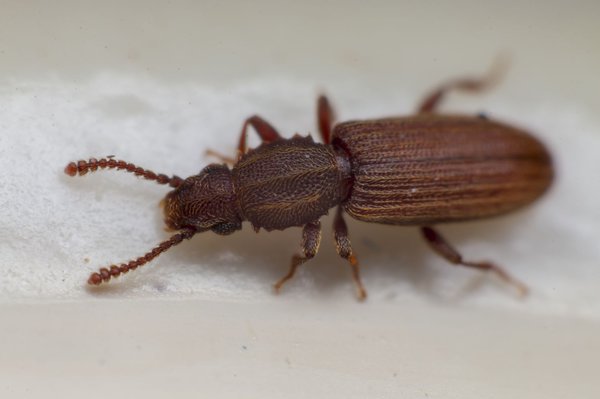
<point x="105" y="274"/>
<point x="92" y="165"/>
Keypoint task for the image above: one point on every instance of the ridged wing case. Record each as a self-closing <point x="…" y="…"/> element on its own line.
<point x="430" y="169"/>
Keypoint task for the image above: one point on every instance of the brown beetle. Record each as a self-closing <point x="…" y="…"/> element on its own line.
<point x="418" y="170"/>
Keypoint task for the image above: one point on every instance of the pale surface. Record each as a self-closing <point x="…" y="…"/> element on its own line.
<point x="158" y="86"/>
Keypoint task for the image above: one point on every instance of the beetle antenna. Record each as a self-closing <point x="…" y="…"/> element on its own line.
<point x="106" y="273"/>
<point x="92" y="165"/>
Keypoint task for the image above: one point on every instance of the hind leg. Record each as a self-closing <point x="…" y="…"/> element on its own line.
<point x="473" y="85"/>
<point x="444" y="249"/>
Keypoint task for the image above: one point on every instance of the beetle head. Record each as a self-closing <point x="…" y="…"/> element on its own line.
<point x="199" y="203"/>
<point x="204" y="202"/>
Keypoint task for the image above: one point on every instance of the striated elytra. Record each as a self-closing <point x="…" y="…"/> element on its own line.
<point x="419" y="170"/>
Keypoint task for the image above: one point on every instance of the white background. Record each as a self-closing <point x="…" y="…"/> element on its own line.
<point x="158" y="84"/>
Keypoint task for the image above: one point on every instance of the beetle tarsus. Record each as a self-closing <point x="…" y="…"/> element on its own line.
<point x="297" y="260"/>
<point x="361" y="293"/>
<point x="522" y="289"/>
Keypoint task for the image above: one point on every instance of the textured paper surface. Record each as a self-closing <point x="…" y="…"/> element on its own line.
<point x="58" y="229"/>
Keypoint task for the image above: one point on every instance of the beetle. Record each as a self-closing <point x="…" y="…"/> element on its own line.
<point x="419" y="170"/>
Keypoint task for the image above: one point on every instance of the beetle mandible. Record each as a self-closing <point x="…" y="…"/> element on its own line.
<point x="419" y="170"/>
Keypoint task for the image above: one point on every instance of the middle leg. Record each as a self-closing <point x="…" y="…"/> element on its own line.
<point x="325" y="117"/>
<point x="344" y="249"/>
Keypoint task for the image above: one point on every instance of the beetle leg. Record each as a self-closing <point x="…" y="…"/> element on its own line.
<point x="266" y="132"/>
<point x="311" y="239"/>
<point x="325" y="117"/>
<point x="344" y="249"/>
<point x="443" y="248"/>
<point x="473" y="85"/>
<point x="224" y="158"/>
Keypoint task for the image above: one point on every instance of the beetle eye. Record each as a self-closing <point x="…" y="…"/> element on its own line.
<point x="225" y="229"/>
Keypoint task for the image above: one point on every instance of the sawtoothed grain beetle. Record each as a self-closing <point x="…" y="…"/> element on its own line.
<point x="419" y="170"/>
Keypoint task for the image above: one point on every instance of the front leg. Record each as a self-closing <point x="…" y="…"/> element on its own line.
<point x="311" y="239"/>
<point x="264" y="129"/>
<point x="266" y="132"/>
